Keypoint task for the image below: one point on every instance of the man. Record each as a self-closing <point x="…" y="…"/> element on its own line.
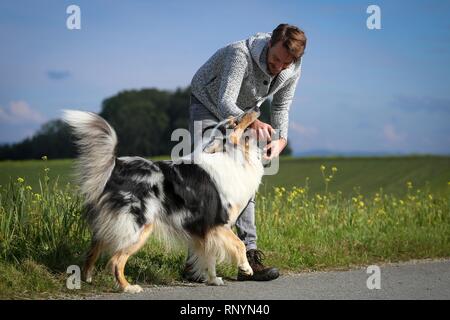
<point x="234" y="79"/>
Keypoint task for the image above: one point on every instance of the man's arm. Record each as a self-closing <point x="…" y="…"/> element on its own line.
<point x="281" y="103"/>
<point x="231" y="79"/>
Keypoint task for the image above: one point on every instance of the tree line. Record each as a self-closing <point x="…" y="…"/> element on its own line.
<point x="143" y="119"/>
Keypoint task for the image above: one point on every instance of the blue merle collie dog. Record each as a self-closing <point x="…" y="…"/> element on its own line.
<point x="127" y="198"/>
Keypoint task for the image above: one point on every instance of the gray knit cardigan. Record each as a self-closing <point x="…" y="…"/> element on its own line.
<point x="236" y="78"/>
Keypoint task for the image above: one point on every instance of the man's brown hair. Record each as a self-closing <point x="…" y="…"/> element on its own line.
<point x="293" y="39"/>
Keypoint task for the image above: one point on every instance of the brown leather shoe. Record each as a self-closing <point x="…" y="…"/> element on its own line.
<point x="260" y="272"/>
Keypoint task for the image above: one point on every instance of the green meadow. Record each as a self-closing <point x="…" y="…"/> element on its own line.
<point x="315" y="214"/>
<point x="366" y="174"/>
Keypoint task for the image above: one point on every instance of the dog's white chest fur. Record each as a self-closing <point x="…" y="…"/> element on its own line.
<point x="237" y="182"/>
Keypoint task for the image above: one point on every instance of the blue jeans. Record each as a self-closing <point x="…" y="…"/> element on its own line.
<point x="245" y="224"/>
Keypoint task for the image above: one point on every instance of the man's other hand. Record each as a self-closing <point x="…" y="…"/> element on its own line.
<point x="274" y="148"/>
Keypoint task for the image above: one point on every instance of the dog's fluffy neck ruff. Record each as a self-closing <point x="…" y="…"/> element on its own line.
<point x="237" y="181"/>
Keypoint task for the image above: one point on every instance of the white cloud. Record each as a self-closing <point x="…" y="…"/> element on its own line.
<point x="19" y="112"/>
<point x="391" y="135"/>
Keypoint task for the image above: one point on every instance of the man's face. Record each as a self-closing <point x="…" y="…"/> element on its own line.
<point x="278" y="58"/>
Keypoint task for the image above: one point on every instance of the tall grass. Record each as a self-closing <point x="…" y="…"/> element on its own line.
<point x="43" y="224"/>
<point x="42" y="232"/>
<point x="314" y="231"/>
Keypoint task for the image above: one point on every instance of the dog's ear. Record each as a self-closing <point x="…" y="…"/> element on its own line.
<point x="215" y="145"/>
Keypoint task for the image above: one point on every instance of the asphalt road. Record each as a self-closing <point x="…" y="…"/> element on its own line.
<point x="412" y="280"/>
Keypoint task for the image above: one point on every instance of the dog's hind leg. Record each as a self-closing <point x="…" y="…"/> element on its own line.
<point x="92" y="256"/>
<point x="120" y="258"/>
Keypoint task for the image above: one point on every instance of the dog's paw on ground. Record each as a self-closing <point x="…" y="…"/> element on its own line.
<point x="216" y="282"/>
<point x="246" y="269"/>
<point x="133" y="289"/>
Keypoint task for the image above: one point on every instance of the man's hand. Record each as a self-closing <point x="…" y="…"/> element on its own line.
<point x="274" y="148"/>
<point x="263" y="130"/>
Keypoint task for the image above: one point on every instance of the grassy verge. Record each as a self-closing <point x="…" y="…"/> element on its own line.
<point x="306" y="232"/>
<point x="42" y="233"/>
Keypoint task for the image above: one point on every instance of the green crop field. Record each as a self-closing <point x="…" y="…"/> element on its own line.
<point x="369" y="174"/>
<point x="315" y="214"/>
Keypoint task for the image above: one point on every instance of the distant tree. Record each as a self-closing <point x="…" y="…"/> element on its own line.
<point x="143" y="119"/>
<point x="53" y="139"/>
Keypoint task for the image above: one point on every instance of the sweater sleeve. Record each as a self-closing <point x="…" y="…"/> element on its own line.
<point x="281" y="103"/>
<point x="233" y="73"/>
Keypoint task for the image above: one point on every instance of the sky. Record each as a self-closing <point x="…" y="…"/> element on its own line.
<point x="363" y="90"/>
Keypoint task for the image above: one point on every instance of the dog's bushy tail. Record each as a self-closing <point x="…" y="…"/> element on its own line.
<point x="97" y="142"/>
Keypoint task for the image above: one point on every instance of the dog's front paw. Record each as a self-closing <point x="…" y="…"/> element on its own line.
<point x="133" y="289"/>
<point x="217" y="281"/>
<point x="86" y="276"/>
<point x="246" y="269"/>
